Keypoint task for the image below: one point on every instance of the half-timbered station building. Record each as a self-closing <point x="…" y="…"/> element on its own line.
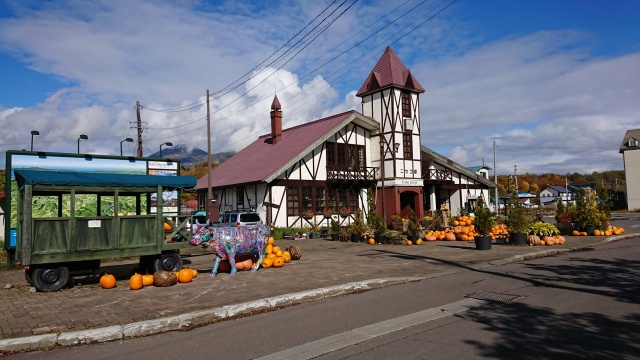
<point x="330" y="164"/>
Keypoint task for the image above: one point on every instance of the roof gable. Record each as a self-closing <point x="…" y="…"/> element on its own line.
<point x="450" y="164"/>
<point x="631" y="141"/>
<point x="262" y="161"/>
<point x="389" y="71"/>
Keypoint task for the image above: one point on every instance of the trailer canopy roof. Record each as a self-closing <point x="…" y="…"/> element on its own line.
<point x="89" y="179"/>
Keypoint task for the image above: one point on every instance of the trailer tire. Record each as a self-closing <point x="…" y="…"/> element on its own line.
<point x="50" y="279"/>
<point x="28" y="275"/>
<point x="168" y="262"/>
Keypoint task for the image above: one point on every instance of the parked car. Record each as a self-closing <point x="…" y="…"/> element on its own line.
<point x="239" y="218"/>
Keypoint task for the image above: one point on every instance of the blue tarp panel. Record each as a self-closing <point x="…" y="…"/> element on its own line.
<point x="75" y="178"/>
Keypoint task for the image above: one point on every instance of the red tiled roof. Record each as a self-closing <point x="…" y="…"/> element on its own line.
<point x="261" y="161"/>
<point x="389" y="71"/>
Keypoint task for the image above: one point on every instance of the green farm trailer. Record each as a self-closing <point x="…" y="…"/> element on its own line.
<point x="54" y="248"/>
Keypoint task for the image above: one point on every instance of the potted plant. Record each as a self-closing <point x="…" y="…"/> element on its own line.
<point x="399" y="223"/>
<point x="588" y="217"/>
<point x="483" y="223"/>
<point x="357" y="227"/>
<point x="308" y="213"/>
<point x="315" y="229"/>
<point x="413" y="226"/>
<point x="517" y="221"/>
<point x="327" y="212"/>
<point x="564" y="218"/>
<point x="344" y="212"/>
<point x="335" y="230"/>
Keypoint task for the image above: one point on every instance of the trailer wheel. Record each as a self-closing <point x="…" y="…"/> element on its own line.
<point x="168" y="262"/>
<point x="50" y="279"/>
<point x="28" y="275"/>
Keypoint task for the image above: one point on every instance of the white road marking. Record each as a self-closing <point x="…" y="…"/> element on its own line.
<point x="348" y="338"/>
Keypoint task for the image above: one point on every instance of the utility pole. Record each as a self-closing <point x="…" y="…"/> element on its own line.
<point x="139" y="129"/>
<point x="209" y="191"/>
<point x="495" y="177"/>
<point x="515" y="174"/>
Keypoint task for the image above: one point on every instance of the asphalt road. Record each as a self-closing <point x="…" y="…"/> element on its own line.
<point x="577" y="305"/>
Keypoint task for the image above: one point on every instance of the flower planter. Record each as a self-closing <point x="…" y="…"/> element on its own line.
<point x="590" y="230"/>
<point x="483" y="242"/>
<point x="356" y="238"/>
<point x="413" y="238"/>
<point x="400" y="226"/>
<point x="565" y="228"/>
<point x="313" y="235"/>
<point x="518" y="239"/>
<point x="380" y="239"/>
<point x="335" y="237"/>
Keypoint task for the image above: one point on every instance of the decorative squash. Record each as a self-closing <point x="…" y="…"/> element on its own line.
<point x="147" y="280"/>
<point x="270" y="241"/>
<point x="295" y="252"/>
<point x="575" y="233"/>
<point x="583" y="233"/>
<point x="167" y="227"/>
<point x="164" y="278"/>
<point x="560" y="239"/>
<point x="276" y="249"/>
<point x="548" y="240"/>
<point x="409" y="242"/>
<point x="419" y="242"/>
<point x="286" y="256"/>
<point x="533" y="239"/>
<point x="450" y="237"/>
<point x="185" y="275"/>
<point x="269" y="249"/>
<point x="597" y="232"/>
<point x="195" y="272"/>
<point x="135" y="282"/>
<point x="542" y="242"/>
<point x="271" y="256"/>
<point x="278" y="262"/>
<point x="430" y="238"/>
<point x="278" y="253"/>
<point x="107" y="281"/>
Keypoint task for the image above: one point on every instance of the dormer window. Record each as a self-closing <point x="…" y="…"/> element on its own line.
<point x="632" y="143"/>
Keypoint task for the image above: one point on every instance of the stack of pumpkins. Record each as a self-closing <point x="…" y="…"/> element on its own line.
<point x="276" y="257"/>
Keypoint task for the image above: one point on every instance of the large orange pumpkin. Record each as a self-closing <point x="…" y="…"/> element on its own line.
<point x="267" y="262"/>
<point x="135" y="282"/>
<point x="107" y="281"/>
<point x="286" y="255"/>
<point x="167" y="227"/>
<point x="185" y="275"/>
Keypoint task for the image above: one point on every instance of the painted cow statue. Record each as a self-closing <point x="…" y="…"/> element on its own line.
<point x="229" y="241"/>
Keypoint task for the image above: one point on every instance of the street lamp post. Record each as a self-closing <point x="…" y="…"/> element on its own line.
<point x="83" y="137"/>
<point x="33" y="132"/>
<point x="127" y="140"/>
<point x="167" y="144"/>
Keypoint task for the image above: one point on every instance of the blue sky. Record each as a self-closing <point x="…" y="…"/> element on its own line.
<point x="553" y="83"/>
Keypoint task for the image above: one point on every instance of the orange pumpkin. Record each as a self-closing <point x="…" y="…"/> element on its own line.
<point x="419" y="242"/>
<point x="270" y="241"/>
<point x="185" y="275"/>
<point x="244" y="265"/>
<point x="276" y="249"/>
<point x="278" y="262"/>
<point x="286" y="255"/>
<point x="107" y="281"/>
<point x="583" y="233"/>
<point x="449" y="237"/>
<point x="135" y="282"/>
<point x="372" y="241"/>
<point x="167" y="227"/>
<point x="147" y="280"/>
<point x="195" y="272"/>
<point x="269" y="249"/>
<point x="409" y="242"/>
<point x="267" y="262"/>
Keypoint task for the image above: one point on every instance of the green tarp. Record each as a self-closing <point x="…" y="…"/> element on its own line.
<point x="75" y="178"/>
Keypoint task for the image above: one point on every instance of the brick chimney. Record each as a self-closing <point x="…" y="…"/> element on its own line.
<point x="276" y="121"/>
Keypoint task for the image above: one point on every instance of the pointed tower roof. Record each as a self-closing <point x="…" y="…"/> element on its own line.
<point x="275" y="105"/>
<point x="389" y="71"/>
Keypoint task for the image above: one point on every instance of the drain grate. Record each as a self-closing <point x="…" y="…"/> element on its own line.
<point x="491" y="296"/>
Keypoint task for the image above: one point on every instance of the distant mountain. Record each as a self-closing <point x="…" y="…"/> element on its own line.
<point x="190" y="156"/>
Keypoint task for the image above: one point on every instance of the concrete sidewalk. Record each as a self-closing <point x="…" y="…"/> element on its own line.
<point x="87" y="313"/>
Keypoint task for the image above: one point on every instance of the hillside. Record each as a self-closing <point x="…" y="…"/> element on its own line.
<point x="190" y="157"/>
